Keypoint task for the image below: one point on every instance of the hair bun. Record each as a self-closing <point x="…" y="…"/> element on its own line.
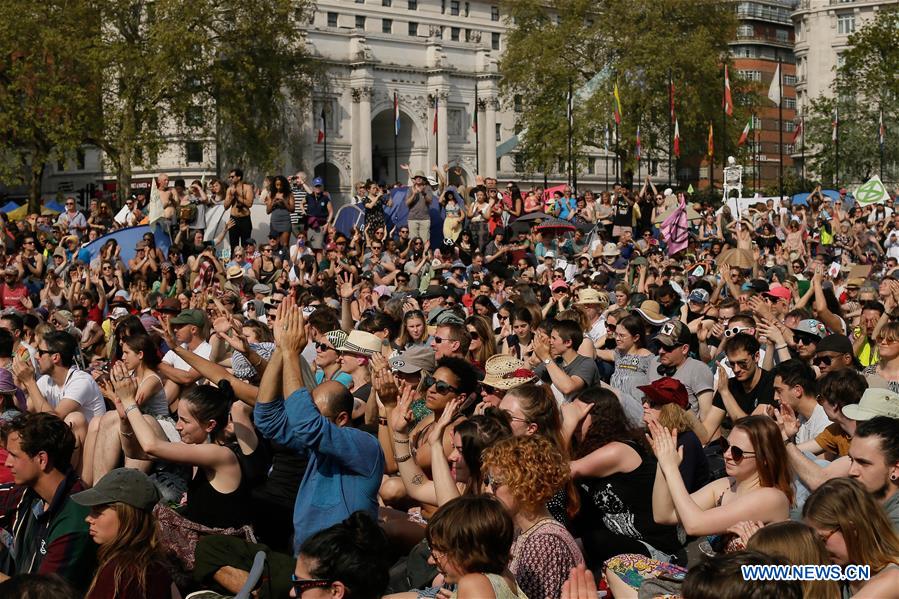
<point x="227" y="390"/>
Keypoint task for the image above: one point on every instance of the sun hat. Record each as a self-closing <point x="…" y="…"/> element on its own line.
<point x="234" y="272"/>
<point x="874" y="402"/>
<point x="419" y="358"/>
<point x="336" y="338"/>
<point x="610" y="249"/>
<point x="119" y="312"/>
<point x="506" y="372"/>
<point x="652" y="312"/>
<point x="241" y="365"/>
<point x="589" y="296"/>
<point x="361" y="342"/>
<point x="122" y="485"/>
<point x="664" y="391"/>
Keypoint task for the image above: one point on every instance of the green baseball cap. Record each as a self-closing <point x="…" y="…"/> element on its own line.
<point x="194" y="317"/>
<point x="122" y="485"/>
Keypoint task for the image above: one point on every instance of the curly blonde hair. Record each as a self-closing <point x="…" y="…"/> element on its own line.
<point x="532" y="467"/>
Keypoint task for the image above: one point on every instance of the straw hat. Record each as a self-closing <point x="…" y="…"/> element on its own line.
<point x="588" y="296"/>
<point x="610" y="249"/>
<point x="652" y="312"/>
<point x="361" y="342"/>
<point x="234" y="272"/>
<point x="506" y="372"/>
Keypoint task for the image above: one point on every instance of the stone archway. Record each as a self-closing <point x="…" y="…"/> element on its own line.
<point x="332" y="176"/>
<point x="384" y="161"/>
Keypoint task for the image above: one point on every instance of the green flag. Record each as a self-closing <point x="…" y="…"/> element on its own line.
<point x="872" y="192"/>
<point x="690" y="189"/>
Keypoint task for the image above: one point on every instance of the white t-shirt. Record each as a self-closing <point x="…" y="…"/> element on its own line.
<point x="811" y="428"/>
<point x="204" y="350"/>
<point x="79" y="386"/>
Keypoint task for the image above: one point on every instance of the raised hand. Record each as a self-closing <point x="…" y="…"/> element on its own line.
<point x="787" y="421"/>
<point x="664" y="446"/>
<point x="400" y="420"/>
<point x="449" y="414"/>
<point x="124" y="386"/>
<point x="573" y="414"/>
<point x="385" y="384"/>
<point x="745" y="529"/>
<point x="293" y="331"/>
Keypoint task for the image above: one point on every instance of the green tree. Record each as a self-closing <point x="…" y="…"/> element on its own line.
<point x="865" y="84"/>
<point x="47" y="88"/>
<point x="171" y="69"/>
<point x="637" y="43"/>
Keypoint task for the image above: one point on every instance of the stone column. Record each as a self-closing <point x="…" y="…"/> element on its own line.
<point x="442" y="133"/>
<point x="488" y="167"/>
<point x="362" y="133"/>
<point x="482" y="137"/>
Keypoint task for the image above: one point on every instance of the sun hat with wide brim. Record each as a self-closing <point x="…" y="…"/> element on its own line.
<point x="652" y="312"/>
<point x="506" y="372"/>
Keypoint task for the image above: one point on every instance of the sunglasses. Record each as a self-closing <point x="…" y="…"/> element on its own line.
<point x="737" y="330"/>
<point x="822" y="360"/>
<point x="43" y="352"/>
<point x="301" y="585"/>
<point x="474" y="334"/>
<point x="323" y="347"/>
<point x="735" y="452"/>
<point x="442" y="387"/>
<point x="492" y="482"/>
<point x="805" y="339"/>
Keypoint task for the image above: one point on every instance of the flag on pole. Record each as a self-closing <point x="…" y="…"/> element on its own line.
<point x="617" y="104"/>
<point x="671" y="101"/>
<point x="711" y="140"/>
<point x="745" y="134"/>
<point x="321" y="128"/>
<point x="798" y="132"/>
<point x="728" y="100"/>
<point x="835" y="124"/>
<point x="436" y="100"/>
<point x="882" y="132"/>
<point x="676" y="139"/>
<point x="639" y="149"/>
<point x="774" y="90"/>
<point x="474" y="118"/>
<point x="396" y="114"/>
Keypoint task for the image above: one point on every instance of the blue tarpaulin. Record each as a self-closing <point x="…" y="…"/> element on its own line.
<point x="9" y="207"/>
<point x="127" y="238"/>
<point x="54" y="205"/>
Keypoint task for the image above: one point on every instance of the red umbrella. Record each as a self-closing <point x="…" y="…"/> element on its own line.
<point x="555" y="225"/>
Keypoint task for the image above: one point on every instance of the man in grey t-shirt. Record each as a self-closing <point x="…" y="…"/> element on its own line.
<point x="418" y="199"/>
<point x="674" y="346"/>
<point x="567" y="371"/>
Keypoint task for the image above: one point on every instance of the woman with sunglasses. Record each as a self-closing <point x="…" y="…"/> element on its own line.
<point x="349" y="560"/>
<point x="483" y="341"/>
<point x="855" y="530"/>
<point x="327" y="359"/>
<point x="524" y="473"/>
<point x="887" y="368"/>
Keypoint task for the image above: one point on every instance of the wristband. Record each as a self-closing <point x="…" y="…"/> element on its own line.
<point x="382" y="421"/>
<point x="133" y="406"/>
<point x="400" y="441"/>
<point x="780" y="347"/>
<point x="403" y="458"/>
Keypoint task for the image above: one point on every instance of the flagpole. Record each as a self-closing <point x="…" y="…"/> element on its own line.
<point x="477" y="133"/>
<point x="569" y="118"/>
<point x="617" y="157"/>
<point x="755" y="159"/>
<point x="724" y="131"/>
<point x="396" y="170"/>
<point x="881" y="140"/>
<point x="436" y="133"/>
<point x="802" y="135"/>
<point x="836" y="146"/>
<point x="670" y="123"/>
<point x="780" y="120"/>
<point x="325" y="149"/>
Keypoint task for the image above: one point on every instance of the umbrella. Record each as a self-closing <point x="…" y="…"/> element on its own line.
<point x="736" y="258"/>
<point x="532" y="216"/>
<point x="555" y="225"/>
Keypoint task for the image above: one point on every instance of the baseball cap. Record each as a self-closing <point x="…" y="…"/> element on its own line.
<point x="759" y="285"/>
<point x="439" y="315"/>
<point x="415" y="359"/>
<point x="171" y="305"/>
<point x="674" y="332"/>
<point x="317" y="182"/>
<point x="780" y="292"/>
<point x="122" y="485"/>
<point x="699" y="296"/>
<point x="874" y="402"/>
<point x="559" y="284"/>
<point x="810" y="326"/>
<point x="835" y="343"/>
<point x="194" y="317"/>
<point x="118" y="312"/>
<point x="664" y="391"/>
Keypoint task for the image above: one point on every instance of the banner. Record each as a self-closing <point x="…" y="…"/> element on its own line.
<point x="872" y="192"/>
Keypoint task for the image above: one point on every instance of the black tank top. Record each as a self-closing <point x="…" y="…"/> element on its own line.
<point x="209" y="507"/>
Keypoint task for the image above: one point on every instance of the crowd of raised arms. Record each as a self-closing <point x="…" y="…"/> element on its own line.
<point x="471" y="391"/>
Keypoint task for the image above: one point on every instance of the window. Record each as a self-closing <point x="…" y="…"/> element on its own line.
<point x="751" y="75"/>
<point x="518" y="161"/>
<point x="499" y="132"/>
<point x="387" y="26"/>
<point x="360" y="1"/>
<point x="790" y="103"/>
<point x="467" y="8"/>
<point x="443" y="7"/>
<point x="591" y="168"/>
<point x="413" y="4"/>
<point x="846" y="24"/>
<point x="193" y="151"/>
<point x="413" y="29"/>
<point x="454" y="8"/>
<point x="494" y="41"/>
<point x="782" y="35"/>
<point x="79" y="159"/>
<point x="745" y="31"/>
<point x="516" y="102"/>
<point x="756" y="123"/>
<point x="788" y="148"/>
<point x="332" y="19"/>
<point x="193" y="116"/>
<point x="60" y="164"/>
<point x="841" y="60"/>
<point x="789" y="126"/>
<point x="360" y="22"/>
<point x="386" y="2"/>
<point x="789" y="79"/>
<point x="454" y="34"/>
<point x="494" y="13"/>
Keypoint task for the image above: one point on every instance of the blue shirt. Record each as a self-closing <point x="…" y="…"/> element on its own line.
<point x="340" y="376"/>
<point x="345" y="464"/>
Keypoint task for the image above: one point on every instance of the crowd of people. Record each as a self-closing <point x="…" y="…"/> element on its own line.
<point x="561" y="394"/>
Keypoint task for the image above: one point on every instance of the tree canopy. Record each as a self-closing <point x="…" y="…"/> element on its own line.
<point x="636" y="43"/>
